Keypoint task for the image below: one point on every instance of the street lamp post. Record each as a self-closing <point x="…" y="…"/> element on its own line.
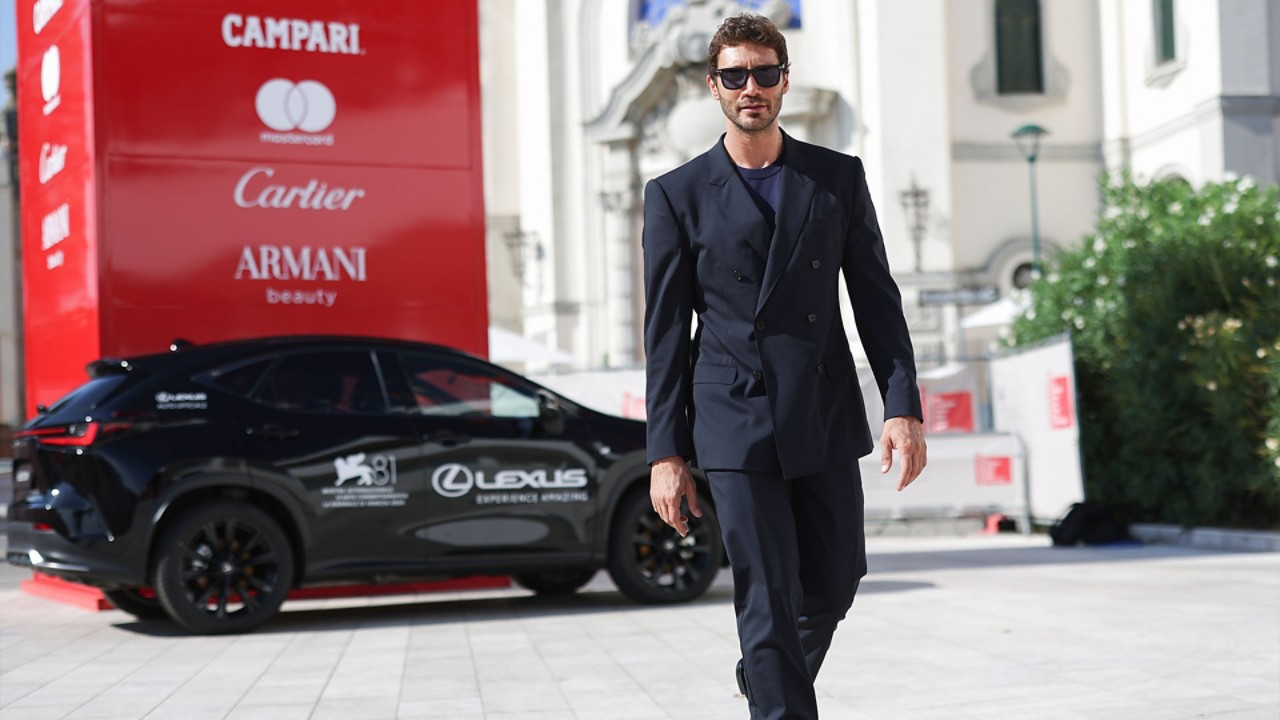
<point x="1027" y="138"/>
<point x="915" y="203"/>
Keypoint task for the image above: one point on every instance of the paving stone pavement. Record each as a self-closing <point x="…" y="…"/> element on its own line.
<point x="945" y="627"/>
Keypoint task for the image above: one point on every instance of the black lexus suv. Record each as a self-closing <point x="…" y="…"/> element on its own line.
<point x="207" y="482"/>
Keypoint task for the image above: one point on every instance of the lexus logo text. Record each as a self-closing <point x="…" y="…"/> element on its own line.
<point x="453" y="480"/>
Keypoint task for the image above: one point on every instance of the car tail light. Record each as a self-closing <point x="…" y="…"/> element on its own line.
<point x="75" y="435"/>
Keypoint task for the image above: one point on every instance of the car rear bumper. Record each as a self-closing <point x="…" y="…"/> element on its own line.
<point x="99" y="562"/>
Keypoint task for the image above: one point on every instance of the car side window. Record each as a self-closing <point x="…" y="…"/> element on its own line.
<point x="340" y="382"/>
<point x="443" y="387"/>
<point x="241" y="380"/>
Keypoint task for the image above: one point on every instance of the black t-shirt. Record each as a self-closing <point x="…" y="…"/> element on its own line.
<point x="765" y="186"/>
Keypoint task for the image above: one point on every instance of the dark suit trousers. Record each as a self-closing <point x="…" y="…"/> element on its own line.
<point x="797" y="551"/>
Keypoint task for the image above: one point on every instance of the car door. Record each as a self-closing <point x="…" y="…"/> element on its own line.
<point x="508" y="470"/>
<point x="320" y="424"/>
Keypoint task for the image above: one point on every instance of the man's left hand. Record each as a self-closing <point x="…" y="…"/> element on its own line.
<point x="906" y="435"/>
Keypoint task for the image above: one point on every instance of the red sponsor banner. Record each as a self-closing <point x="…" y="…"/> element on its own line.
<point x="232" y="170"/>
<point x="993" y="470"/>
<point x="59" y="258"/>
<point x="948" y="412"/>
<point x="307" y="248"/>
<point x="59" y="196"/>
<point x="392" y="82"/>
<point x="55" y="95"/>
<point x="1061" y="412"/>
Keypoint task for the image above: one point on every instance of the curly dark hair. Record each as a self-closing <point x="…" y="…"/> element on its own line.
<point x="746" y="28"/>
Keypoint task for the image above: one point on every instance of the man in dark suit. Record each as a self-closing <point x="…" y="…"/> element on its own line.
<point x="752" y="237"/>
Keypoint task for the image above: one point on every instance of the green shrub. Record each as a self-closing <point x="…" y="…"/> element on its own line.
<point x="1174" y="309"/>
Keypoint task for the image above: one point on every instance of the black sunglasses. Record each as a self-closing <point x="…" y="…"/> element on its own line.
<point x="736" y="78"/>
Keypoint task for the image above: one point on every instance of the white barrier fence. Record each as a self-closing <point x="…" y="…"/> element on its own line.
<point x="967" y="476"/>
<point x="1033" y="395"/>
<point x="1029" y="469"/>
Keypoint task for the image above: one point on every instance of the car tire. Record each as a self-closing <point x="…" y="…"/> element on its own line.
<point x="649" y="561"/>
<point x="554" y="582"/>
<point x="224" y="567"/>
<point x="130" y="600"/>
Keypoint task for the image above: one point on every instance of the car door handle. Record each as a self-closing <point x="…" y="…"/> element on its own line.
<point x="272" y="432"/>
<point x="449" y="439"/>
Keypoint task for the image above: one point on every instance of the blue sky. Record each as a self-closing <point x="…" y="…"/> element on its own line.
<point x="8" y="43"/>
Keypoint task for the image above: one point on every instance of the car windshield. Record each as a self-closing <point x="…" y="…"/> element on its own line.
<point x="456" y="389"/>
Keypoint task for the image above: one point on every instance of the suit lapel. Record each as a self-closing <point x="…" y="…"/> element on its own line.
<point x="793" y="208"/>
<point x="733" y="201"/>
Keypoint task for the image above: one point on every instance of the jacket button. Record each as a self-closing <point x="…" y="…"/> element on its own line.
<point x="813" y="318"/>
<point x="821" y="368"/>
<point x="757" y="374"/>
<point x="760" y="325"/>
<point x="737" y="274"/>
<point x="815" y="264"/>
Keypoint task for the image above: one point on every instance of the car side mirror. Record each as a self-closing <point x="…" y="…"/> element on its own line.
<point x="550" y="414"/>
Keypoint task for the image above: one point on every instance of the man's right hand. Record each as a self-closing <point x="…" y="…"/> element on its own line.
<point x="669" y="482"/>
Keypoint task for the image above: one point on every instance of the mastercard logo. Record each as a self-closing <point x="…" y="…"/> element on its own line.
<point x="284" y="105"/>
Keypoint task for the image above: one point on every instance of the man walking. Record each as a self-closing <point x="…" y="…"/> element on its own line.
<point x="752" y="236"/>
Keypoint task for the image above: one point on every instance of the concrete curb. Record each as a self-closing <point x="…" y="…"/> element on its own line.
<point x="1208" y="538"/>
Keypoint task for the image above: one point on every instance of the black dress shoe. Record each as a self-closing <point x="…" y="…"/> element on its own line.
<point x="741" y="674"/>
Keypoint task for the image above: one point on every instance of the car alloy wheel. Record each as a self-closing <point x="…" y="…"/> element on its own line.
<point x="224" y="567"/>
<point x="651" y="563"/>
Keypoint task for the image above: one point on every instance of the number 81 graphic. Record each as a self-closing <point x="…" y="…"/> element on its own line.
<point x="384" y="469"/>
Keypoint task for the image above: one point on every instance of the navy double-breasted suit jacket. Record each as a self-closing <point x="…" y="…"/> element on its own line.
<point x="767" y="382"/>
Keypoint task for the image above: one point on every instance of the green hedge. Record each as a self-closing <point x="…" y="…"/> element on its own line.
<point x="1174" y="309"/>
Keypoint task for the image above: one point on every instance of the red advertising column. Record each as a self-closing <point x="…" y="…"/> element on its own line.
<point x="58" y="195"/>
<point x="251" y="169"/>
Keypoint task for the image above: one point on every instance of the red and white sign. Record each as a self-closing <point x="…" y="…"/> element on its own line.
<point x="59" y="195"/>
<point x="634" y="407"/>
<point x="948" y="412"/>
<point x="387" y="83"/>
<point x="947" y="397"/>
<point x="1028" y="387"/>
<point x="993" y="470"/>
<point x="1061" y="414"/>
<point x="238" y="170"/>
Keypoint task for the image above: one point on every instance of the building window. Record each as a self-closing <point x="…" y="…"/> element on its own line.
<point x="1019" y="60"/>
<point x="1162" y="13"/>
<point x="653" y="11"/>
